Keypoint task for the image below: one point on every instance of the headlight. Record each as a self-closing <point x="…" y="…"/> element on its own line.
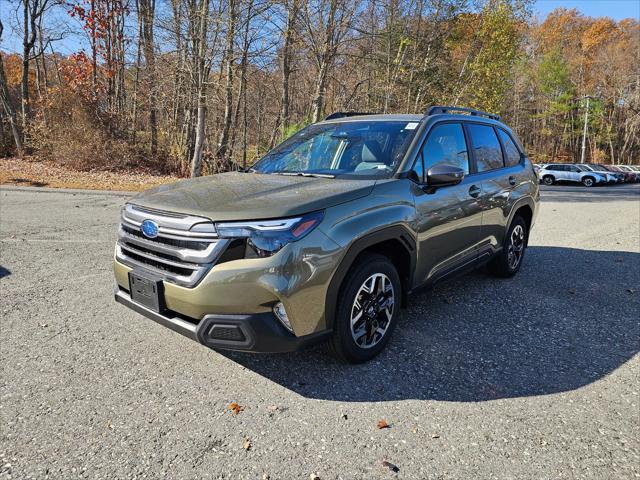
<point x="266" y="237"/>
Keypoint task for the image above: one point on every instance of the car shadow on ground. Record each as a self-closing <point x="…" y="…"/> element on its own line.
<point x="566" y="320"/>
<point x="4" y="272"/>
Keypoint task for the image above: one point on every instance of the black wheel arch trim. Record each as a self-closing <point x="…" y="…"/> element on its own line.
<point x="393" y="232"/>
<point x="523" y="202"/>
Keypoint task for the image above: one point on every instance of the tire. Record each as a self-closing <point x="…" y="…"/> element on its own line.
<point x="548" y="180"/>
<point x="364" y="341"/>
<point x="504" y="264"/>
<point x="588" y="181"/>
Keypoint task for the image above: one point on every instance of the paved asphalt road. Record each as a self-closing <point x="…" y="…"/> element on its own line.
<point x="535" y="377"/>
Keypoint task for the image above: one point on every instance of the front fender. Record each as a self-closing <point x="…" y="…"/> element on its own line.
<point x="387" y="214"/>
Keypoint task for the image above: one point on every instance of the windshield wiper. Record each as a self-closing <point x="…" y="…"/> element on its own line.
<point x="305" y="174"/>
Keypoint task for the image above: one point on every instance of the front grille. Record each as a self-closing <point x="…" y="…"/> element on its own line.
<point x="184" y="250"/>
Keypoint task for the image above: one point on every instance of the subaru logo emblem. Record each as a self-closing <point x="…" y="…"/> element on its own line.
<point x="149" y="229"/>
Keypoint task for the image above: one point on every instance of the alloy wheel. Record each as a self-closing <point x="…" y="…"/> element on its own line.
<point x="516" y="247"/>
<point x="372" y="310"/>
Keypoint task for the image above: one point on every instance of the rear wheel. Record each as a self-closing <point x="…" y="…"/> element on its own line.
<point x="508" y="261"/>
<point x="367" y="309"/>
<point x="588" y="182"/>
<point x="548" y="180"/>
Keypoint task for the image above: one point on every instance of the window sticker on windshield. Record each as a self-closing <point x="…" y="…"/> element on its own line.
<point x="411" y="126"/>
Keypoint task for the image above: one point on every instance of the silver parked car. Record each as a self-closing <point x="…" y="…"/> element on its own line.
<point x="566" y="172"/>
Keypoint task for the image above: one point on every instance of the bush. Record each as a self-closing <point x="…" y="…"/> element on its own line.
<point x="69" y="130"/>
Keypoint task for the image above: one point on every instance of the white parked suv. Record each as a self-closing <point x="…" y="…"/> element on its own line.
<point x="563" y="172"/>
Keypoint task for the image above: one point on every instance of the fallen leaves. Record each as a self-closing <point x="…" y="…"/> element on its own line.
<point x="390" y="466"/>
<point x="33" y="172"/>
<point x="382" y="424"/>
<point x="246" y="444"/>
<point x="235" y="408"/>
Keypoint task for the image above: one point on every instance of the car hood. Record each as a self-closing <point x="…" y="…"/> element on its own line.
<point x="246" y="196"/>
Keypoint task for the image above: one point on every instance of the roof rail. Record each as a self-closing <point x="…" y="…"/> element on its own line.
<point x="335" y="115"/>
<point x="436" y="109"/>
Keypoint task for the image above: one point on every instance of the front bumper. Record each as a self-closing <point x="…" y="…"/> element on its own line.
<point x="259" y="332"/>
<point x="237" y="298"/>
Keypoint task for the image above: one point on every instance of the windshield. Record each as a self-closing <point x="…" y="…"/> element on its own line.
<point x="358" y="149"/>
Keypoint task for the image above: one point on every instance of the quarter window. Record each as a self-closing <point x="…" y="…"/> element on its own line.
<point x="486" y="147"/>
<point x="511" y="152"/>
<point x="446" y="146"/>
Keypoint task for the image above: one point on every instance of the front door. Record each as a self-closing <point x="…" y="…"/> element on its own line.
<point x="449" y="218"/>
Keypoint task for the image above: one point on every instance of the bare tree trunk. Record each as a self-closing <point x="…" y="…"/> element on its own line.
<point x="243" y="77"/>
<point x="292" y="13"/>
<point x="196" y="164"/>
<point x="136" y="81"/>
<point x="147" y="15"/>
<point x="324" y="62"/>
<point x="223" y="142"/>
<point x="94" y="56"/>
<point x="32" y="12"/>
<point x="202" y="74"/>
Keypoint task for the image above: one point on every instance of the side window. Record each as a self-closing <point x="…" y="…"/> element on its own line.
<point x="486" y="147"/>
<point x="511" y="152"/>
<point x="446" y="146"/>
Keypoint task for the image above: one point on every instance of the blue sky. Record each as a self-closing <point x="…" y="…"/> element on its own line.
<point x="616" y="9"/>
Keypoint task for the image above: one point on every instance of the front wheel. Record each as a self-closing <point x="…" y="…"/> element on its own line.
<point x="508" y="261"/>
<point x="367" y="309"/>
<point x="588" y="182"/>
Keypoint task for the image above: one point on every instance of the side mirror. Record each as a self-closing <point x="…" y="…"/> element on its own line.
<point x="444" y="175"/>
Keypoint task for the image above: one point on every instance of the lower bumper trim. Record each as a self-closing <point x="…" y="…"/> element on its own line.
<point x="176" y="324"/>
<point x="260" y="332"/>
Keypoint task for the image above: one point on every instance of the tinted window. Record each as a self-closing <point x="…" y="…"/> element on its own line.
<point x="486" y="147"/>
<point x="511" y="152"/>
<point x="446" y="146"/>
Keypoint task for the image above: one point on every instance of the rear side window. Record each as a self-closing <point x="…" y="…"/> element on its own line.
<point x="446" y="146"/>
<point x="486" y="147"/>
<point x="511" y="152"/>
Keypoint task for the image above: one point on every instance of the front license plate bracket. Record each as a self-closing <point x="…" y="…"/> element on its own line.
<point x="146" y="290"/>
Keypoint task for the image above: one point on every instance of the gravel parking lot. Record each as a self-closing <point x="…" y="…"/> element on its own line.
<point x="535" y="377"/>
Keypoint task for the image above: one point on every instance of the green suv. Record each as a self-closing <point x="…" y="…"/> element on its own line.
<point x="325" y="237"/>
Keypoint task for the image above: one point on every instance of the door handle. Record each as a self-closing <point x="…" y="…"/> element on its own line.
<point x="512" y="180"/>
<point x="474" y="191"/>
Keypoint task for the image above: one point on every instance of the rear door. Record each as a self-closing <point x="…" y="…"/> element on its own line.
<point x="573" y="174"/>
<point x="449" y="218"/>
<point x="500" y="170"/>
